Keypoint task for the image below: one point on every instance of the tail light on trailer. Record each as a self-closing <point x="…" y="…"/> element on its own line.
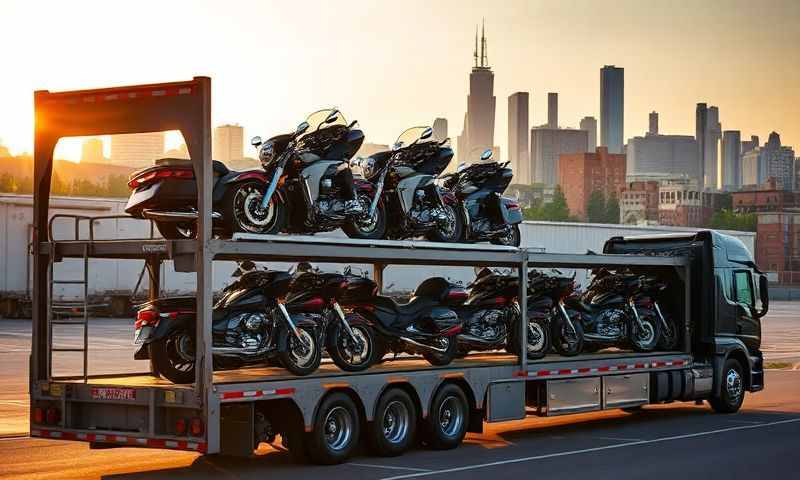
<point x="38" y="415"/>
<point x="196" y="427"/>
<point x="180" y="426"/>
<point x="53" y="416"/>
<point x="148" y="176"/>
<point x="146" y="317"/>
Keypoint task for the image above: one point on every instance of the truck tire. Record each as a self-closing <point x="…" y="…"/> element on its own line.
<point x="294" y="441"/>
<point x="392" y="431"/>
<point x="731" y="392"/>
<point x="336" y="430"/>
<point x="446" y="425"/>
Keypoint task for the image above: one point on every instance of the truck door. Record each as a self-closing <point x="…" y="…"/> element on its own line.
<point x="748" y="325"/>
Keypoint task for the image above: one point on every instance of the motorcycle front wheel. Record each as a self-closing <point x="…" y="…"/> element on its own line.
<point x="511" y="239"/>
<point x="303" y="355"/>
<point x="452" y="230"/>
<point x="567" y="342"/>
<point x="366" y="227"/>
<point x="173" y="357"/>
<point x="538" y="340"/>
<point x="242" y="212"/>
<point x="442" y="358"/>
<point x="352" y="354"/>
<point x="645" y="338"/>
<point x="669" y="334"/>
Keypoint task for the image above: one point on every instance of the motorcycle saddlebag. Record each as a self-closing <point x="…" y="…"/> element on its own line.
<point x="510" y="210"/>
<point x="444" y="319"/>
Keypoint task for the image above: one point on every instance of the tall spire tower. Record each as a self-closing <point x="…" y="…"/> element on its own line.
<point x="478" y="133"/>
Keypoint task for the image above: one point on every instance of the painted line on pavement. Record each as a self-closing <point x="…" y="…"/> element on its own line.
<point x="390" y="467"/>
<point x="620" y="439"/>
<point x="589" y="450"/>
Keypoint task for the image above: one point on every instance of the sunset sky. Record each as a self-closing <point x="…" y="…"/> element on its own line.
<point x="394" y="64"/>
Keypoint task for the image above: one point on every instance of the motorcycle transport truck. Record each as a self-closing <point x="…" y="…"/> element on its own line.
<point x="715" y="295"/>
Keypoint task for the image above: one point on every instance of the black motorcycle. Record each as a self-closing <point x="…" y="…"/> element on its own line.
<point x="167" y="194"/>
<point x="547" y="296"/>
<point x="401" y="181"/>
<point x="251" y="324"/>
<point x="488" y="215"/>
<point x="610" y="316"/>
<point x="349" y="340"/>
<point x="425" y="325"/>
<point x="491" y="317"/>
<point x="311" y="187"/>
<point x="647" y="299"/>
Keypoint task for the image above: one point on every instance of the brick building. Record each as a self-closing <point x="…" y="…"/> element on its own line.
<point x="681" y="203"/>
<point x="580" y="174"/>
<point x="638" y="203"/>
<point x="778" y="244"/>
<point x="766" y="199"/>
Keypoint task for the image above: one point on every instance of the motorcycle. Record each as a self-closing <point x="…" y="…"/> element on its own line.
<point x="610" y="316"/>
<point x="253" y="322"/>
<point x="311" y="187"/>
<point x="491" y="317"/>
<point x="546" y="300"/>
<point x="167" y="194"/>
<point x="488" y="216"/>
<point x="402" y="182"/>
<point x="426" y="325"/>
<point x="647" y="299"/>
<point x="349" y="340"/>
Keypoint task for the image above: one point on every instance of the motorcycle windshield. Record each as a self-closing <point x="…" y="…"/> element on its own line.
<point x="412" y="135"/>
<point x="322" y="119"/>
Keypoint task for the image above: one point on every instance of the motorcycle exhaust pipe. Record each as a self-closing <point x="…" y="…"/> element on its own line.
<point x="161" y="216"/>
<point x="422" y="345"/>
<point x="477" y="340"/>
<point x="239" y="352"/>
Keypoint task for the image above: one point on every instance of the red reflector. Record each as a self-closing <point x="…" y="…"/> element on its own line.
<point x="146" y="316"/>
<point x="180" y="426"/>
<point x="53" y="416"/>
<point x="38" y="415"/>
<point x="196" y="427"/>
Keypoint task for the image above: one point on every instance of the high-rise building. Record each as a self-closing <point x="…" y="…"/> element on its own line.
<point x="547" y="145"/>
<point x="92" y="151"/>
<point x="228" y="143"/>
<point x="731" y="160"/>
<point x="773" y="160"/>
<point x="552" y="110"/>
<point x="590" y="125"/>
<point x="478" y="132"/>
<point x="440" y="128"/>
<point x="668" y="155"/>
<point x="518" y="124"/>
<point x="612" y="107"/>
<point x="708" y="132"/>
<point x="748" y="145"/>
<point x="580" y="174"/>
<point x="653" y="120"/>
<point x="137" y="150"/>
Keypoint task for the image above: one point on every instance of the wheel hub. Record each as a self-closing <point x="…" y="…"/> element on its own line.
<point x="733" y="384"/>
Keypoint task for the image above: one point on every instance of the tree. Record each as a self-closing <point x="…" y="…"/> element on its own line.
<point x="7" y="183"/>
<point x="729" y="220"/>
<point x="612" y="209"/>
<point x="596" y="207"/>
<point x="555" y="211"/>
<point x="117" y="186"/>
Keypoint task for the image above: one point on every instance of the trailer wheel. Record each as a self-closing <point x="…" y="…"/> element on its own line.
<point x="392" y="432"/>
<point x="731" y="393"/>
<point x="446" y="424"/>
<point x="336" y="430"/>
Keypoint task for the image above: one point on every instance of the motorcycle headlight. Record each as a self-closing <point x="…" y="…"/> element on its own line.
<point x="266" y="154"/>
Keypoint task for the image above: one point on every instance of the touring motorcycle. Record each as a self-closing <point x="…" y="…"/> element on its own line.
<point x="254" y="321"/>
<point x="167" y="194"/>
<point x="311" y="187"/>
<point x="401" y="181"/>
<point x="610" y="315"/>
<point x="488" y="215"/>
<point x="426" y="325"/>
<point x="491" y="317"/>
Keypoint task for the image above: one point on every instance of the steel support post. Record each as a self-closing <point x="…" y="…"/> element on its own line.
<point x="377" y="271"/>
<point x="523" y="310"/>
<point x="153" y="265"/>
<point x="687" y="308"/>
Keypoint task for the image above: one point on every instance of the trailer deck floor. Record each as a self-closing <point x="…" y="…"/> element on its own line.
<point x="328" y="369"/>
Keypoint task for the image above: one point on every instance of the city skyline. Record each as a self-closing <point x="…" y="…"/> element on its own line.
<point x="642" y="37"/>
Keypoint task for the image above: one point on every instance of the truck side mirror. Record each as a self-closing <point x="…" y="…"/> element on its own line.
<point x="763" y="291"/>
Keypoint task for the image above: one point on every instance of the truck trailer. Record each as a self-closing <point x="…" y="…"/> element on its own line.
<point x="716" y="294"/>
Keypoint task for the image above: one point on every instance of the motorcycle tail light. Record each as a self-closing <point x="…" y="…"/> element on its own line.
<point x="513" y="206"/>
<point x="52" y="416"/>
<point x="196" y="427"/>
<point x="145" y="317"/>
<point x="38" y="415"/>
<point x="149" y="176"/>
<point x="180" y="426"/>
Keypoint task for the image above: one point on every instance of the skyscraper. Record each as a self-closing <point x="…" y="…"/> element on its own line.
<point x="731" y="160"/>
<point x="590" y="125"/>
<point x="612" y="107"/>
<point x="440" y="128"/>
<point x="478" y="132"/>
<point x="518" y="123"/>
<point x="552" y="110"/>
<point x="547" y="145"/>
<point x="751" y="144"/>
<point x="228" y="143"/>
<point x="92" y="151"/>
<point x="773" y="160"/>
<point x="653" y="130"/>
<point x="137" y="149"/>
<point x="708" y="132"/>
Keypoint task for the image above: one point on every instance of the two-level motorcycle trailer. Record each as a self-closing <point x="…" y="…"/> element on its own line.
<point x="225" y="411"/>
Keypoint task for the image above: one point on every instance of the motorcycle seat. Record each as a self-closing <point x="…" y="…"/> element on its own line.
<point x="219" y="168"/>
<point x="401" y="314"/>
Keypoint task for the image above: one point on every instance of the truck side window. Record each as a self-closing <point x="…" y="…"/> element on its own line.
<point x="743" y="285"/>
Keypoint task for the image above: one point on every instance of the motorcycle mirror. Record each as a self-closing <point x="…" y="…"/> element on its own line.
<point x="352" y="124"/>
<point x="237" y="273"/>
<point x="301" y="128"/>
<point x="256" y="141"/>
<point x="487" y="154"/>
<point x="247" y="265"/>
<point x="426" y="134"/>
<point x="764" y="295"/>
<point x="397" y="146"/>
<point x="444" y="141"/>
<point x="461" y="168"/>
<point x="332" y="117"/>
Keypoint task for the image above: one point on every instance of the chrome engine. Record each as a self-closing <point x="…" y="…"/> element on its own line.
<point x="247" y="331"/>
<point x="488" y="325"/>
<point x="611" y="323"/>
